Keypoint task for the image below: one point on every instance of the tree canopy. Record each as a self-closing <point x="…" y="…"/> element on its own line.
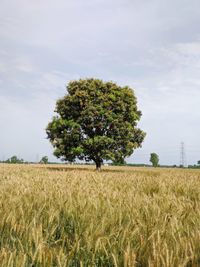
<point x="44" y="160"/>
<point x="95" y="121"/>
<point x="154" y="159"/>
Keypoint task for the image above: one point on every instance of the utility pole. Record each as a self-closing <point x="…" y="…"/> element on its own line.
<point x="182" y="155"/>
<point x="37" y="158"/>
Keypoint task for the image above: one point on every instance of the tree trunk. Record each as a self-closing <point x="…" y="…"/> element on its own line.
<point x="98" y="165"/>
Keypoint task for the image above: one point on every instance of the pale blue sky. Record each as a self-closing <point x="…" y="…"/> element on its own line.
<point x="152" y="46"/>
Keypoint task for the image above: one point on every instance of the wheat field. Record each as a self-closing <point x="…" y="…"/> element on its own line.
<point x="74" y="216"/>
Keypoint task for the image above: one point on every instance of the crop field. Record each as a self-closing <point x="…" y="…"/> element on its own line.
<point x="73" y="216"/>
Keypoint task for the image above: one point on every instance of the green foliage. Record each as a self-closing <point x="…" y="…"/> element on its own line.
<point x="95" y="120"/>
<point x="14" y="160"/>
<point x="119" y="162"/>
<point x="198" y="162"/>
<point x="154" y="159"/>
<point x="44" y="160"/>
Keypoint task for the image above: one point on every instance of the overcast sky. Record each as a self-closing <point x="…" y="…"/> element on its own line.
<point x="151" y="45"/>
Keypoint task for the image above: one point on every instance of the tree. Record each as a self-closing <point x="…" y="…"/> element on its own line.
<point x="44" y="160"/>
<point x="14" y="160"/>
<point x="198" y="162"/>
<point x="154" y="159"/>
<point x="95" y="120"/>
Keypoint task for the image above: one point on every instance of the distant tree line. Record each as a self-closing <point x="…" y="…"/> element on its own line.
<point x="195" y="166"/>
<point x="154" y="159"/>
<point x="15" y="160"/>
